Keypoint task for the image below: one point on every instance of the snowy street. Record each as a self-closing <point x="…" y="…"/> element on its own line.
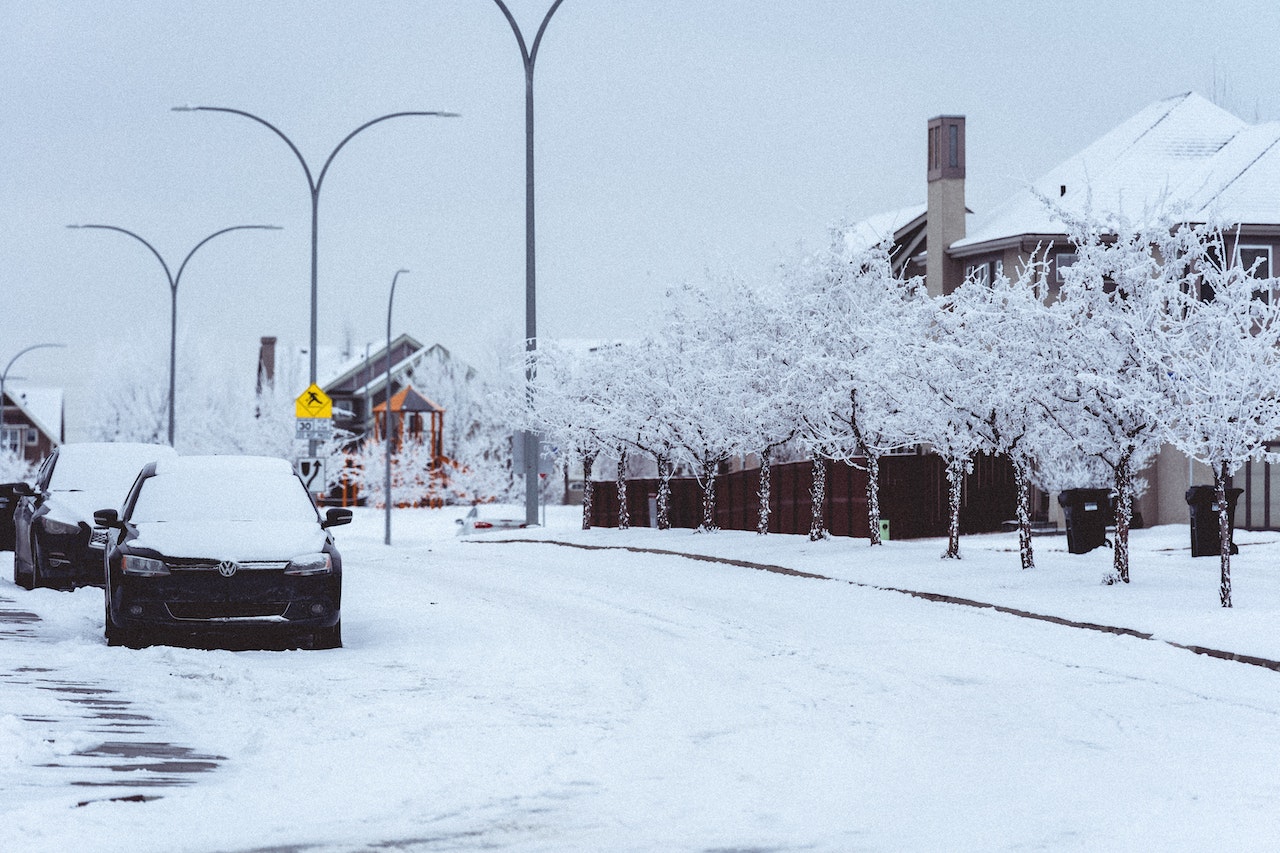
<point x="534" y="697"/>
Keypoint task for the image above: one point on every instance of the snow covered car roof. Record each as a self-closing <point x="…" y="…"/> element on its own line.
<point x="103" y="470"/>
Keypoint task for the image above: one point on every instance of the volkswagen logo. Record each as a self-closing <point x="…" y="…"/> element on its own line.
<point x="227" y="568"/>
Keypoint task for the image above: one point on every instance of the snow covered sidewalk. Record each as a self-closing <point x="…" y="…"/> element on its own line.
<point x="1172" y="596"/>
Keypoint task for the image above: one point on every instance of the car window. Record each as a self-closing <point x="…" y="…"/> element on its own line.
<point x="202" y="496"/>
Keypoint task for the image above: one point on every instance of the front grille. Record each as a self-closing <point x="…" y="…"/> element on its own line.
<point x="219" y="610"/>
<point x="176" y="564"/>
<point x="98" y="539"/>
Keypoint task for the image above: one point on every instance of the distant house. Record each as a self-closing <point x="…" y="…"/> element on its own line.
<point x="34" y="421"/>
<point x="1183" y="154"/>
<point x="357" y="383"/>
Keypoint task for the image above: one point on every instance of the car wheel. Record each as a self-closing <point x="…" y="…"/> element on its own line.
<point x="328" y="638"/>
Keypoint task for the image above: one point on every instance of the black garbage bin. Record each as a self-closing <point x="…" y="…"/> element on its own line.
<point x="1204" y="519"/>
<point x="1087" y="513"/>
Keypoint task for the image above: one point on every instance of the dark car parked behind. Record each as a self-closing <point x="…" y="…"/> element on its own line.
<point x="222" y="545"/>
<point x="54" y="542"/>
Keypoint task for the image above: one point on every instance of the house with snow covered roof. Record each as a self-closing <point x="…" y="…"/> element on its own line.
<point x="34" y="421"/>
<point x="357" y="380"/>
<point x="1182" y="154"/>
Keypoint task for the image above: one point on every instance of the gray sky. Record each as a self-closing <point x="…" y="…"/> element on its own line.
<point x="673" y="138"/>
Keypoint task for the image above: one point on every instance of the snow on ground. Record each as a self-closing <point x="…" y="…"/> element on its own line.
<point x="534" y="697"/>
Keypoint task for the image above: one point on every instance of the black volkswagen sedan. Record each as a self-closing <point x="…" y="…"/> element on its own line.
<point x="213" y="546"/>
<point x="54" y="542"/>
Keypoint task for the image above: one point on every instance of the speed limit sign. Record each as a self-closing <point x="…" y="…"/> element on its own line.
<point x="311" y="470"/>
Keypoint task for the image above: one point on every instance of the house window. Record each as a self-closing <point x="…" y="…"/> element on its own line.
<point x="984" y="273"/>
<point x="11" y="439"/>
<point x="978" y="274"/>
<point x="953" y="146"/>
<point x="33" y="438"/>
<point x="1060" y="264"/>
<point x="1257" y="260"/>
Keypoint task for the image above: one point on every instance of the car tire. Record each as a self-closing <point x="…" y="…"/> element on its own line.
<point x="328" y="638"/>
<point x="117" y="636"/>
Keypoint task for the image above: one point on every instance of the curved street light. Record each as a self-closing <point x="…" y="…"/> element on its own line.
<point x="530" y="291"/>
<point x="314" y="183"/>
<point x="387" y="423"/>
<point x="173" y="291"/>
<point x="5" y="375"/>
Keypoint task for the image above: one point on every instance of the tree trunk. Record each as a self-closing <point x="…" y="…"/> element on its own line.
<point x="1022" y="483"/>
<point x="1224" y="533"/>
<point x="1123" y="516"/>
<point x="588" y="491"/>
<point x="766" y="492"/>
<point x="624" y="515"/>
<point x="818" y="500"/>
<point x="873" y="496"/>
<point x="955" y="478"/>
<point x="708" y="497"/>
<point x="665" y="470"/>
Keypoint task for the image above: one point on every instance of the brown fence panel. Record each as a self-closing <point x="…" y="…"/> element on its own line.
<point x="913" y="497"/>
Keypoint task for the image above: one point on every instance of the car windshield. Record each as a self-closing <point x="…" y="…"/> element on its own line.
<point x="222" y="496"/>
<point x="103" y="471"/>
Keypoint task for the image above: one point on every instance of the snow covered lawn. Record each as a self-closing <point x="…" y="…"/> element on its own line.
<point x="535" y="697"/>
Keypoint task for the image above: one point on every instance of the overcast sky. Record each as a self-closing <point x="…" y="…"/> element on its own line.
<point x="674" y="137"/>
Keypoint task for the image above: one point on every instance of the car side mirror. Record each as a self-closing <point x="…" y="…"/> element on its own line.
<point x="107" y="518"/>
<point x="22" y="489"/>
<point x="335" y="517"/>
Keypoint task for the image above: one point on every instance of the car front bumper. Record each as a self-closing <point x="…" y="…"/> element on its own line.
<point x="204" y="602"/>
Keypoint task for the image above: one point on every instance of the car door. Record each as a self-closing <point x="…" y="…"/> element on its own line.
<point x="25" y="513"/>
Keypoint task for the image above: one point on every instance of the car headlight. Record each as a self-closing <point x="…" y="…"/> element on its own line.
<point x="59" y="528"/>
<point x="143" y="566"/>
<point x="310" y="564"/>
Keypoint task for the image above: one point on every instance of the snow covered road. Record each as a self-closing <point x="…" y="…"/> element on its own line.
<point x="537" y="698"/>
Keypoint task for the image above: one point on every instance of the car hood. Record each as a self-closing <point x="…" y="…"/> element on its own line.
<point x="230" y="540"/>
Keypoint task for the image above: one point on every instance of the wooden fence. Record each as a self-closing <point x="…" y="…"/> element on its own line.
<point x="913" y="498"/>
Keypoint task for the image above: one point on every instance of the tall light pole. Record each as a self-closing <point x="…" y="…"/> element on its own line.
<point x="5" y="375"/>
<point x="314" y="183"/>
<point x="386" y="431"/>
<point x="173" y="292"/>
<point x="530" y="291"/>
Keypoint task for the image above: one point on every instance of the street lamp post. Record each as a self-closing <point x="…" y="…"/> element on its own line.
<point x="530" y="292"/>
<point x="174" y="280"/>
<point x="314" y="183"/>
<point x="386" y="430"/>
<point x="5" y="375"/>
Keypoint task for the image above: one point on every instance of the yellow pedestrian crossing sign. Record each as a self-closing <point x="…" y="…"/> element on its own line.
<point x="314" y="403"/>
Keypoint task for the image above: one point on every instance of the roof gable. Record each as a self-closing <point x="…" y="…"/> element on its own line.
<point x="1181" y="154"/>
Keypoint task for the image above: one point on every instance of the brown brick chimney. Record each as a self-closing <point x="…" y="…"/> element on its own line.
<point x="946" y="202"/>
<point x="266" y="362"/>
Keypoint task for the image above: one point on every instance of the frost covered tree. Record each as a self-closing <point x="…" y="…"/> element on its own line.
<point x="1107" y="390"/>
<point x="706" y="385"/>
<point x="995" y="331"/>
<point x="1217" y="346"/>
<point x="13" y="468"/>
<point x="583" y="403"/>
<point x="855" y="315"/>
<point x="935" y="373"/>
<point x="759" y="334"/>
